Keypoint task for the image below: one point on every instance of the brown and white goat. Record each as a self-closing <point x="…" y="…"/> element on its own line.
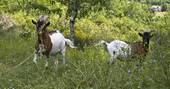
<point x="49" y="42"/>
<point x="121" y="49"/>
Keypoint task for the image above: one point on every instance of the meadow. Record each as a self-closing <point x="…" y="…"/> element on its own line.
<point x="83" y="70"/>
<point x="87" y="68"/>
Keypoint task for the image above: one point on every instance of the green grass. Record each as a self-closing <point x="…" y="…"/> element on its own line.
<point x="83" y="70"/>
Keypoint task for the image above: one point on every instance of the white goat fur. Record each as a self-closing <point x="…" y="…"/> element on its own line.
<point x="116" y="49"/>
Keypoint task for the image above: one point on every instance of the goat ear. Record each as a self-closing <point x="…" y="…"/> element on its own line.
<point x="140" y="34"/>
<point x="151" y="36"/>
<point x="48" y="24"/>
<point x="34" y="22"/>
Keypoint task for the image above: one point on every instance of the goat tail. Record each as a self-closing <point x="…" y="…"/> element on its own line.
<point x="69" y="43"/>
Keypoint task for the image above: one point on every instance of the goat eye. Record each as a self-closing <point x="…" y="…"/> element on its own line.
<point x="41" y="23"/>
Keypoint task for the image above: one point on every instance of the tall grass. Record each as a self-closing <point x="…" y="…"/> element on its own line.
<point x="83" y="70"/>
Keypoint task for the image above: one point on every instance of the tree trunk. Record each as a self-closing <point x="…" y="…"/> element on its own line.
<point x="72" y="32"/>
<point x="72" y="21"/>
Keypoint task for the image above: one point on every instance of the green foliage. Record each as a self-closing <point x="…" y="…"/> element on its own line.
<point x="118" y="7"/>
<point x="96" y="20"/>
<point x="58" y="8"/>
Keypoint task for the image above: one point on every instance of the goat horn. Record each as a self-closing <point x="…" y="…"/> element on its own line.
<point x="43" y="18"/>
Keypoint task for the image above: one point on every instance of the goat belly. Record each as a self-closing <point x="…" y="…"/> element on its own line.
<point x="58" y="43"/>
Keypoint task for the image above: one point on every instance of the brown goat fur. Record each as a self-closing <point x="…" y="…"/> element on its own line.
<point x="137" y="48"/>
<point x="43" y="41"/>
<point x="141" y="48"/>
<point x="46" y="40"/>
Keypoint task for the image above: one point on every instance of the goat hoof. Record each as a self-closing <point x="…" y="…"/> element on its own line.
<point x="138" y="65"/>
<point x="56" y="63"/>
<point x="35" y="61"/>
<point x="63" y="62"/>
<point x="110" y="63"/>
<point x="46" y="65"/>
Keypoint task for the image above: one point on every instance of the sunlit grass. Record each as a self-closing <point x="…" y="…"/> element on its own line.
<point x="83" y="70"/>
